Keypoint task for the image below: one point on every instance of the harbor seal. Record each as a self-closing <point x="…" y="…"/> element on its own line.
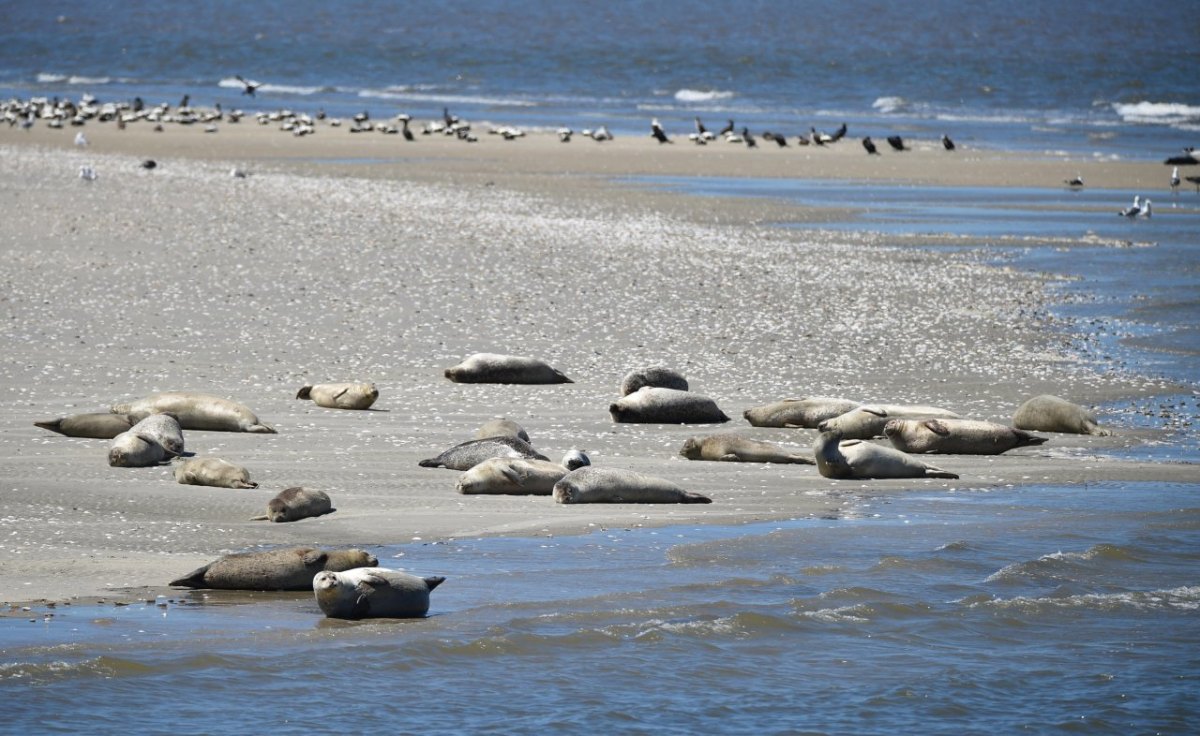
<point x="134" y="449"/>
<point x="651" y="405"/>
<point x="495" y="368"/>
<point x="96" y="426"/>
<point x="197" y="411"/>
<point x="806" y="412"/>
<point x="864" y="460"/>
<point x="733" y="448"/>
<point x="296" y="503"/>
<point x="614" y="485"/>
<point x="656" y="376"/>
<point x="515" y="476"/>
<point x="212" y="471"/>
<point x="340" y="395"/>
<point x="163" y="429"/>
<point x="292" y="568"/>
<point x="956" y="436"/>
<point x="501" y="427"/>
<point x="867" y="421"/>
<point x="468" y="454"/>
<point x="373" y="592"/>
<point x="1048" y="413"/>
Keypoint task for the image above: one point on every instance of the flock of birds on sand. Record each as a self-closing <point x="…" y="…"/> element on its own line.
<point x="501" y="460"/>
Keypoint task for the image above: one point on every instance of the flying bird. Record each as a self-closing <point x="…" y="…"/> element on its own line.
<point x="249" y="86"/>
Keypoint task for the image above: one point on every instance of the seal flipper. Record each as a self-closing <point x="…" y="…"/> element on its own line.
<point x="434" y="580"/>
<point x="314" y="557"/>
<point x="54" y="425"/>
<point x="194" y="579"/>
<point x="263" y="517"/>
<point x="261" y="429"/>
<point x="305" y="392"/>
<point x="1025" y="439"/>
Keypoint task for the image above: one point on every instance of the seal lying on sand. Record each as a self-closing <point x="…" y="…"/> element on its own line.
<point x="867" y="421"/>
<point x="806" y="412"/>
<point x="860" y="459"/>
<point x="163" y="429"/>
<point x="279" y="569"/>
<point x="197" y="411"/>
<point x="472" y="452"/>
<point x="212" y="471"/>
<point x="340" y="395"/>
<point x="956" y="436"/>
<point x="732" y="448"/>
<point x="494" y="368"/>
<point x="614" y="485"/>
<point x="501" y="428"/>
<point x="656" y="377"/>
<point x="97" y="426"/>
<point x="650" y="405"/>
<point x="373" y="592"/>
<point x="518" y="476"/>
<point x="1048" y="413"/>
<point x="296" y="503"/>
<point x="149" y="442"/>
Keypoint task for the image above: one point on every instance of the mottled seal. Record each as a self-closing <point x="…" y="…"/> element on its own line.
<point x="518" y="476"/>
<point x="956" y="436"/>
<point x="468" y="454"/>
<point x="133" y="449"/>
<point x="501" y="427"/>
<point x="1048" y="413"/>
<point x="197" y="411"/>
<point x="293" y="504"/>
<point x="806" y="412"/>
<point x="733" y="448"/>
<point x="614" y="485"/>
<point x="279" y="569"/>
<point x="651" y="405"/>
<point x="97" y="426"/>
<point x="340" y="395"/>
<point x="373" y="592"/>
<point x="163" y="429"/>
<point x="867" y="421"/>
<point x="656" y="377"/>
<point x="212" y="471"/>
<point x="495" y="368"/>
<point x="860" y="459"/>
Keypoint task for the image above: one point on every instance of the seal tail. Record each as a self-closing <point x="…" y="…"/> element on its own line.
<point x="261" y="429"/>
<point x="690" y="497"/>
<point x="54" y="425"/>
<point x="194" y="579"/>
<point x="245" y="484"/>
<point x="1025" y="439"/>
<point x="431" y="462"/>
<point x="932" y="472"/>
<point x="434" y="580"/>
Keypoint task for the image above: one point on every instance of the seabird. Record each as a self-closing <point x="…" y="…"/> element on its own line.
<point x="1076" y="182"/>
<point x="728" y="129"/>
<point x="1175" y="180"/>
<point x="1187" y="159"/>
<point x="870" y="146"/>
<point x="819" y="138"/>
<point x="779" y="140"/>
<point x="657" y="131"/>
<point x="750" y="143"/>
<point x="1145" y="211"/>
<point x="564" y="135"/>
<point x="947" y="143"/>
<point x="81" y="140"/>
<point x="237" y="173"/>
<point x="87" y="173"/>
<point x="896" y="142"/>
<point x="1193" y="180"/>
<point x="1132" y="210"/>
<point x="184" y="102"/>
<point x="839" y="134"/>
<point x="248" y="85"/>
<point x="602" y="134"/>
<point x="149" y="164"/>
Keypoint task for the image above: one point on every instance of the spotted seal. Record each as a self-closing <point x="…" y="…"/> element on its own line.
<point x="373" y="592"/>
<point x="956" y="436"/>
<point x="806" y="412"/>
<point x="652" y="405"/>
<point x="733" y="448"/>
<point x="296" y="503"/>
<point x="100" y="426"/>
<point x="860" y="459"/>
<point x="590" y="484"/>
<point x="212" y="471"/>
<point x="197" y="411"/>
<point x="340" y="395"/>
<point x="1048" y="413"/>
<point x="867" y="421"/>
<point x="468" y="454"/>
<point x="655" y="376"/>
<point x="496" y="368"/>
<point x="518" y="476"/>
<point x="501" y="427"/>
<point x="292" y="568"/>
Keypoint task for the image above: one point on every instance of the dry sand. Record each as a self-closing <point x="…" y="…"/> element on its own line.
<point x="359" y="257"/>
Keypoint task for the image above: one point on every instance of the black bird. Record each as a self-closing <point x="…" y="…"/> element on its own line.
<point x="149" y="164"/>
<point x="947" y="143"/>
<point x="780" y="140"/>
<point x="751" y="144"/>
<point x="657" y="131"/>
<point x="408" y="134"/>
<point x="727" y="129"/>
<point x="896" y="142"/>
<point x="1187" y="159"/>
<point x="248" y="86"/>
<point x="184" y="102"/>
<point x="449" y="119"/>
<point x="1074" y="183"/>
<point x="839" y="134"/>
<point x="870" y="146"/>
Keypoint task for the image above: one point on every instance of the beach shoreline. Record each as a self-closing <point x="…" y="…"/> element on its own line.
<point x="361" y="257"/>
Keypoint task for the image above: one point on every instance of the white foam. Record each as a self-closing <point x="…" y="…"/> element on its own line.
<point x="697" y="95"/>
<point x="887" y="105"/>
<point x="1165" y="113"/>
<point x="445" y="98"/>
<point x="47" y="78"/>
<point x="283" y="89"/>
<point x="76" y="79"/>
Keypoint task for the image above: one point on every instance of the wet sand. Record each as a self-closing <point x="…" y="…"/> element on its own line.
<point x="361" y="257"/>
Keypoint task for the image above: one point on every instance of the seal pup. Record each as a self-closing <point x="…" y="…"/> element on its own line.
<point x="373" y="592"/>
<point x="733" y="448"/>
<point x="614" y="485"/>
<point x="867" y="421"/>
<point x="212" y="471"/>
<point x="956" y="436"/>
<point x="295" y="503"/>
<point x="340" y="395"/>
<point x="864" y="460"/>
<point x="511" y="476"/>
<point x="496" y="368"/>
<point x="197" y="411"/>
<point x="467" y="455"/>
<point x="501" y="427"/>
<point x="806" y="412"/>
<point x="292" y="568"/>
<point x="652" y="405"/>
<point x="654" y="376"/>
<point x="1048" y="413"/>
<point x="94" y="425"/>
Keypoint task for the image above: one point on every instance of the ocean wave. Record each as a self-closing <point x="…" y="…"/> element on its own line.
<point x="51" y="78"/>
<point x="384" y="94"/>
<point x="1161" y="113"/>
<point x="48" y="78"/>
<point x="698" y="95"/>
<point x="888" y="105"/>
<point x="1185" y="598"/>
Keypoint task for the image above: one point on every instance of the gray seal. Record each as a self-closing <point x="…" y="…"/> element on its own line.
<point x="614" y="485"/>
<point x="501" y="427"/>
<point x="373" y="592"/>
<point x="517" y="476"/>
<point x="212" y="471"/>
<point x="340" y="395"/>
<point x="1048" y="413"/>
<point x="149" y="442"/>
<point x="867" y="421"/>
<point x="295" y="503"/>
<point x="163" y="429"/>
<point x="650" y="405"/>
<point x="733" y="448"/>
<point x="495" y="368"/>
<point x="468" y="454"/>
<point x="858" y="459"/>
<point x="292" y="568"/>
<point x="197" y="411"/>
<point x="806" y="412"/>
<point x="956" y="436"/>
<point x="96" y="425"/>
<point x="657" y="377"/>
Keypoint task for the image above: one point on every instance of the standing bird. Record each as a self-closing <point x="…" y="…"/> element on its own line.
<point x="1145" y="211"/>
<point x="87" y="173"/>
<point x="1133" y="210"/>
<point x="727" y="130"/>
<point x="702" y="132"/>
<point x="1074" y="183"/>
<point x="870" y="146"/>
<point x="657" y="131"/>
<point x="896" y="142"/>
<point x="947" y="143"/>
<point x="750" y="143"/>
<point x="839" y="134"/>
<point x="249" y="86"/>
<point x="564" y="134"/>
<point x="1175" y="180"/>
<point x="408" y="134"/>
<point x="81" y="140"/>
